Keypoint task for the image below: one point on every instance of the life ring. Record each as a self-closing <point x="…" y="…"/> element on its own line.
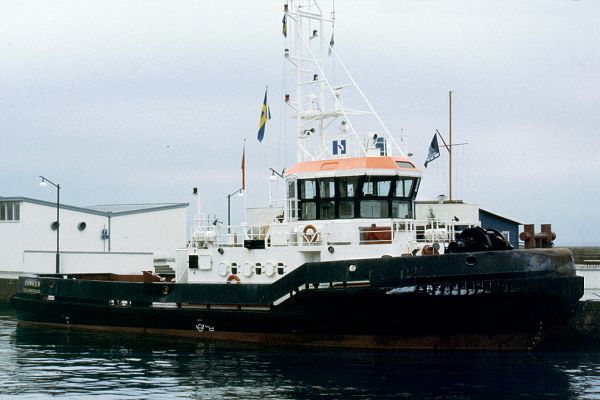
<point x="311" y="237"/>
<point x="232" y="278"/>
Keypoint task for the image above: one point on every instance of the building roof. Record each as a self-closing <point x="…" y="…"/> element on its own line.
<point x="501" y="216"/>
<point x="107" y="209"/>
<point x="134" y="208"/>
<point x="452" y="202"/>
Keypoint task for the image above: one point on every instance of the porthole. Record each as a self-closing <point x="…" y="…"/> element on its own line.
<point x="471" y="260"/>
<point x="81" y="226"/>
<point x="54" y="226"/>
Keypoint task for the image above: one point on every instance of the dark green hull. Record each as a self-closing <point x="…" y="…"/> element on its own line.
<point x="505" y="300"/>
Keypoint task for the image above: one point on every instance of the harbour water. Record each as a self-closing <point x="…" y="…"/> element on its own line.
<point x="42" y="363"/>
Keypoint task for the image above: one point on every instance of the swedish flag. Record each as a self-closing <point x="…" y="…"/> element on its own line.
<point x="284" y="27"/>
<point x="264" y="115"/>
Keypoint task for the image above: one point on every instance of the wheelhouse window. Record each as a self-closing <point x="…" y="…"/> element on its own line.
<point x="327" y="198"/>
<point x="357" y="197"/>
<point x="327" y="209"/>
<point x="374" y="197"/>
<point x="376" y="186"/>
<point x="308" y="196"/>
<point x="404" y="187"/>
<point x="327" y="188"/>
<point x="308" y="189"/>
<point x="292" y="199"/>
<point x="10" y="211"/>
<point x="401" y="209"/>
<point x="308" y="210"/>
<point x="347" y="187"/>
<point x="374" y="209"/>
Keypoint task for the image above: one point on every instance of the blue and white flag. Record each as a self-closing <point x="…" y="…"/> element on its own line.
<point x="434" y="150"/>
<point x="339" y="147"/>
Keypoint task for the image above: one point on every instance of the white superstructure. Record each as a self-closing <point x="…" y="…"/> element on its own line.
<point x="350" y="196"/>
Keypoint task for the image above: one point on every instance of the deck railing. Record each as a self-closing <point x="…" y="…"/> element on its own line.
<point x="328" y="232"/>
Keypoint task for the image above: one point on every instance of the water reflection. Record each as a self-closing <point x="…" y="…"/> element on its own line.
<point x="41" y="363"/>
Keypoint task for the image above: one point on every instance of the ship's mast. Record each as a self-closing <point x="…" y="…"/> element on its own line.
<point x="332" y="121"/>
<point x="450" y="147"/>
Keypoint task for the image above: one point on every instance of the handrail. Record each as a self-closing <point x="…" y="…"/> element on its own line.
<point x="367" y="232"/>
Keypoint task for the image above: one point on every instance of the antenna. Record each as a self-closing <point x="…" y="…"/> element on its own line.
<point x="326" y="112"/>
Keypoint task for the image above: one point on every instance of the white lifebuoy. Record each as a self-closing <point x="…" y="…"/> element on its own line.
<point x="269" y="269"/>
<point x="247" y="270"/>
<point x="222" y="269"/>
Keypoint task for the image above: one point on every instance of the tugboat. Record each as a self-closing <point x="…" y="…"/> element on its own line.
<point x="343" y="262"/>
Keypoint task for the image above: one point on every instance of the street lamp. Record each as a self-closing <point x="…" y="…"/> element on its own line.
<point x="273" y="178"/>
<point x="45" y="181"/>
<point x="273" y="173"/>
<point x="241" y="194"/>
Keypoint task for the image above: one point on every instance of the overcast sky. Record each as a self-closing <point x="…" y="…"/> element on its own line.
<point x="140" y="101"/>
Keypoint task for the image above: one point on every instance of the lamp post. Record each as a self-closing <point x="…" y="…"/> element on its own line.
<point x="241" y="192"/>
<point x="45" y="181"/>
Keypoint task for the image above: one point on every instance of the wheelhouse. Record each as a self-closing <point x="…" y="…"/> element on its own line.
<point x="368" y="187"/>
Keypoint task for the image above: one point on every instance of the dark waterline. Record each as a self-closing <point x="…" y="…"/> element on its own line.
<point x="41" y="363"/>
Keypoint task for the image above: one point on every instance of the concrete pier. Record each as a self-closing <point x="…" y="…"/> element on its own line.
<point x="8" y="285"/>
<point x="583" y="330"/>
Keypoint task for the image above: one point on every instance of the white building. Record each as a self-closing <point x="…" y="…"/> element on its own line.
<point x="114" y="238"/>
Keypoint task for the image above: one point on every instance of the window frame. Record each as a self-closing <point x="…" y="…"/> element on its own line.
<point x="388" y="200"/>
<point x="10" y="211"/>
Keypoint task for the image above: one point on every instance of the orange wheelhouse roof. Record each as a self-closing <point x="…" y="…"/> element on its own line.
<point x="356" y="165"/>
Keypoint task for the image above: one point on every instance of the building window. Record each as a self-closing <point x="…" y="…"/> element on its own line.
<point x="10" y="211"/>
